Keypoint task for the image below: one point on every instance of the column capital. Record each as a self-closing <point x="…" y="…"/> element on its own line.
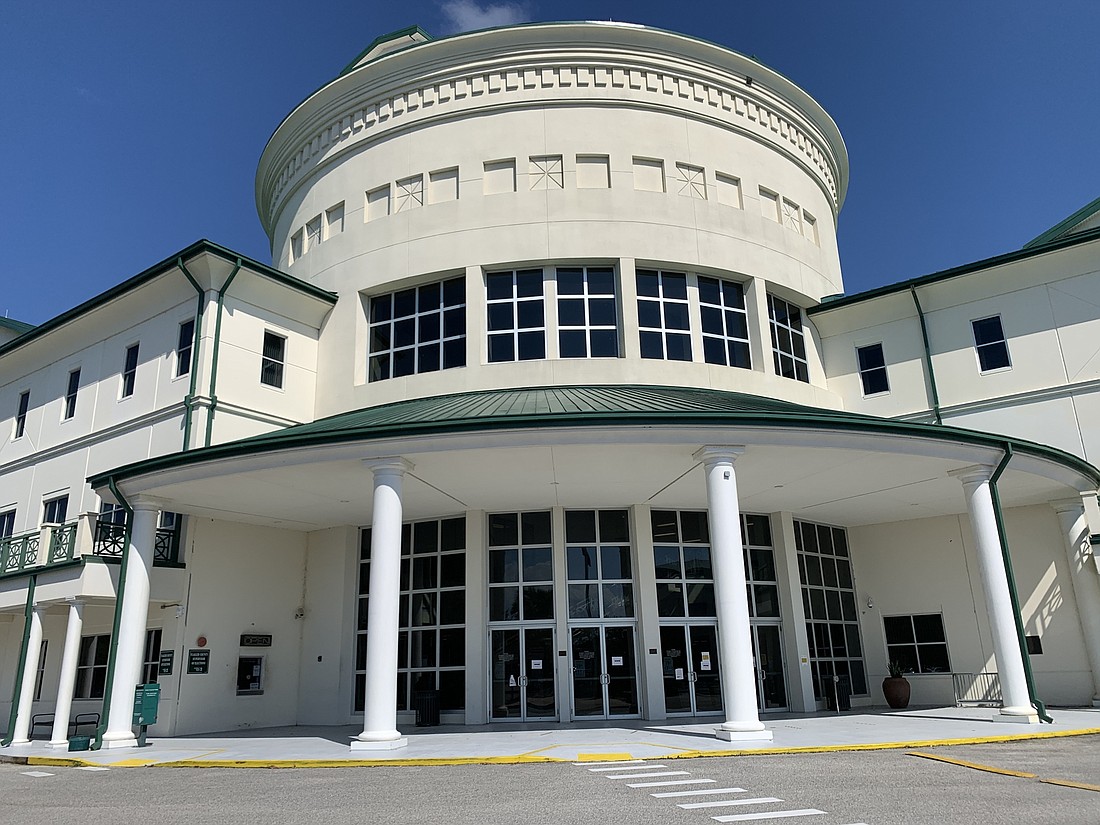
<point x="715" y="454"/>
<point x="974" y="474"/>
<point x="1068" y="505"/>
<point x="389" y="465"/>
<point x="144" y="502"/>
<point x="74" y="601"/>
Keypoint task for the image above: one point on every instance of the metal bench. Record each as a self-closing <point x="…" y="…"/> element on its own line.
<point x="81" y="720"/>
<point x="976" y="689"/>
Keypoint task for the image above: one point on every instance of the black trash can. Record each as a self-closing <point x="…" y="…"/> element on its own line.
<point x="839" y="694"/>
<point x="426" y="705"/>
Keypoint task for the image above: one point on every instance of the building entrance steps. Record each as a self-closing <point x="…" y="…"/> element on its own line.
<point x="316" y="746"/>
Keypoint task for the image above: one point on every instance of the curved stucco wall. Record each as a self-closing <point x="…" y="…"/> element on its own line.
<point x="668" y="155"/>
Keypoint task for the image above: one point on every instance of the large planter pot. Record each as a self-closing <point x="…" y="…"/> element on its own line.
<point x="896" y="690"/>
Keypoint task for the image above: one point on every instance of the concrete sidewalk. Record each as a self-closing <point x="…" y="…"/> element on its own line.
<point x="296" y="747"/>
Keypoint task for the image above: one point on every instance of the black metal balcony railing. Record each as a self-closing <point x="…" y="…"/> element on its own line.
<point x="110" y="539"/>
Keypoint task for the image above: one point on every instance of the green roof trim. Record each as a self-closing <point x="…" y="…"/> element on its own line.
<point x="1094" y="539"/>
<point x="156" y="271"/>
<point x="408" y="31"/>
<point x="957" y="271"/>
<point x="577" y="406"/>
<point x="15" y="326"/>
<point x="1085" y="212"/>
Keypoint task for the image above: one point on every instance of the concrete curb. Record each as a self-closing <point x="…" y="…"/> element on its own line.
<point x="522" y="759"/>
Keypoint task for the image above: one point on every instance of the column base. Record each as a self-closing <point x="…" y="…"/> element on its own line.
<point x="384" y="745"/>
<point x="63" y="744"/>
<point x="111" y="744"/>
<point x="1020" y="716"/>
<point x="15" y="743"/>
<point x="762" y="735"/>
<point x="1096" y="701"/>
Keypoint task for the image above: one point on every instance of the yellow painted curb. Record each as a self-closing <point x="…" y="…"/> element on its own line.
<point x="974" y="765"/>
<point x="599" y="757"/>
<point x="1065" y="783"/>
<point x="61" y="762"/>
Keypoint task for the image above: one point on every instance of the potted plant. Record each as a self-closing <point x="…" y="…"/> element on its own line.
<point x="895" y="687"/>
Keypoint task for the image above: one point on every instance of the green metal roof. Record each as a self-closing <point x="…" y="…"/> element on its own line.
<point x="15" y="326"/>
<point x="958" y="271"/>
<point x="156" y="271"/>
<point x="1085" y="212"/>
<point x="578" y="406"/>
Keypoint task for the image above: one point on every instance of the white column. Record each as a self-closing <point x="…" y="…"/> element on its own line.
<point x="69" y="656"/>
<point x="383" y="608"/>
<point x="728" y="563"/>
<point x="1085" y="580"/>
<point x="21" y="733"/>
<point x="131" y="630"/>
<point x="1015" y="700"/>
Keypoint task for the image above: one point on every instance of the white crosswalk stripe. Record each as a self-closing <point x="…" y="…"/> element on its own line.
<point x="719" y="803"/>
<point x="669" y="783"/>
<point x="629" y="768"/>
<point x="768" y="815"/>
<point x="36" y="774"/>
<point x="643" y="775"/>
<point x="698" y="793"/>
<point x="92" y="768"/>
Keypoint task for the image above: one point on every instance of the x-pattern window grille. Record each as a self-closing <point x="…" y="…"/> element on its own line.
<point x="788" y="340"/>
<point x="410" y="193"/>
<point x="663" y="315"/>
<point x="792" y="216"/>
<point x="546" y="172"/>
<point x="416" y="330"/>
<point x="725" y="323"/>
<point x="691" y="181"/>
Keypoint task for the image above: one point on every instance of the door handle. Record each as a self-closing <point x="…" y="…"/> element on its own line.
<point x="523" y="681"/>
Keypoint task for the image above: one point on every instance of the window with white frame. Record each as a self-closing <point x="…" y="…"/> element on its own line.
<point x="150" y="660"/>
<point x="91" y="667"/>
<point x="725" y="323"/>
<point x="990" y="343"/>
<point x="273" y="360"/>
<point x="417" y="330"/>
<point x="7" y="523"/>
<point x="516" y="315"/>
<point x="598" y="564"/>
<point x="129" y="370"/>
<point x="185" y="341"/>
<point x="664" y="329"/>
<point x="521" y="569"/>
<point x="588" y="322"/>
<point x="55" y="509"/>
<point x="788" y="340"/>
<point x="872" y="369"/>
<point x="21" y="413"/>
<point x="70" y="394"/>
<point x="917" y="643"/>
<point x="432" y="637"/>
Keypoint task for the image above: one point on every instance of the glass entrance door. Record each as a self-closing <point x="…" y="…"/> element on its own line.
<point x="771" y="681"/>
<point x="689" y="656"/>
<point x="605" y="671"/>
<point x="522" y="680"/>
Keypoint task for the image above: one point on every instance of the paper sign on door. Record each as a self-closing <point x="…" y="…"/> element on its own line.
<point x="536" y="664"/>
<point x="616" y="661"/>
<point x="511" y="681"/>
<point x="680" y="673"/>
<point x="704" y="660"/>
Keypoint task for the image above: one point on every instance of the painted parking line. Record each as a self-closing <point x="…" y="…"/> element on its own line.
<point x="92" y="768"/>
<point x="642" y="767"/>
<point x="36" y="774"/>
<point x="768" y="815"/>
<point x="644" y="775"/>
<point x="703" y="792"/>
<point x="670" y="783"/>
<point x="973" y="765"/>
<point x="722" y="803"/>
<point x="1065" y="783"/>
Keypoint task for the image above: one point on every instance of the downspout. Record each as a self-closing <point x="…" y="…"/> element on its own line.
<point x="1003" y="536"/>
<point x="927" y="356"/>
<point x="21" y="667"/>
<point x="214" y="354"/>
<point x="189" y="401"/>
<point x="112" y="655"/>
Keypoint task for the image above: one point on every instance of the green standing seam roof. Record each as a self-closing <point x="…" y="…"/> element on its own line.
<point x="157" y="270"/>
<point x="15" y="326"/>
<point x="578" y="406"/>
<point x="1082" y="214"/>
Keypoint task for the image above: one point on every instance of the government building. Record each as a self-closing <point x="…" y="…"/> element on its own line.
<point x="550" y="407"/>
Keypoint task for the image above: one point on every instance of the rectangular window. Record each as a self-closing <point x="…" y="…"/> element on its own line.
<point x="296" y="246"/>
<point x="788" y="341"/>
<point x="129" y="371"/>
<point x="593" y="172"/>
<point x="409" y="194"/>
<point x="521" y="570"/>
<point x="499" y="177"/>
<point x="273" y="360"/>
<point x="7" y="523"/>
<point x="21" y="413"/>
<point x="70" y="393"/>
<point x="313" y="233"/>
<point x="872" y="369"/>
<point x="150" y="660"/>
<point x="729" y="189"/>
<point x="989" y="340"/>
<point x="545" y="172"/>
<point x="185" y="341"/>
<point x="588" y="317"/>
<point x="378" y="203"/>
<point x="725" y="323"/>
<point x="443" y="185"/>
<point x="416" y="330"/>
<point x="598" y="564"/>
<point x="691" y="181"/>
<point x="792" y="216"/>
<point x="432" y="637"/>
<point x="809" y="225"/>
<point x="649" y="175"/>
<point x="41" y="672"/>
<point x="917" y="643"/>
<point x="516" y="315"/>
<point x="829" y="602"/>
<point x="769" y="204"/>
<point x="54" y="510"/>
<point x="91" y="667"/>
<point x="663" y="315"/>
<point x="334" y="220"/>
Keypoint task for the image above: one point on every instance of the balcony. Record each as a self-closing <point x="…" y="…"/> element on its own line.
<point x="56" y="544"/>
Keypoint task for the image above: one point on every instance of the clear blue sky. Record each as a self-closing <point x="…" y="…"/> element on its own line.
<point x="131" y="129"/>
